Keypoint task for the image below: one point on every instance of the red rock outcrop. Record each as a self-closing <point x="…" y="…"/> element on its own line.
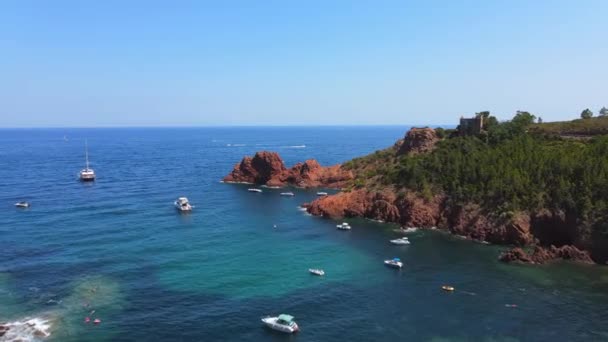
<point x="417" y="140"/>
<point x="259" y="169"/>
<point x="267" y="168"/>
<point x="542" y="255"/>
<point x="358" y="203"/>
<point x="411" y="210"/>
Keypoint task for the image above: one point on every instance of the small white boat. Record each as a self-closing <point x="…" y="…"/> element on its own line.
<point x="22" y="204"/>
<point x="87" y="174"/>
<point x="287" y="194"/>
<point x="321" y="193"/>
<point x="182" y="204"/>
<point x="254" y="190"/>
<point x="283" y="323"/>
<point x="401" y="241"/>
<point x="316" y="271"/>
<point x="407" y="230"/>
<point x="344" y="226"/>
<point x="394" y="263"/>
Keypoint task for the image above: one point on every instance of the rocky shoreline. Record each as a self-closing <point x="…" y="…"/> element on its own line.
<point x="267" y="168"/>
<point x="551" y="234"/>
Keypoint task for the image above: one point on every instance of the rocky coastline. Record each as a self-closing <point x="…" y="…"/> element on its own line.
<point x="267" y="168"/>
<point x="547" y="234"/>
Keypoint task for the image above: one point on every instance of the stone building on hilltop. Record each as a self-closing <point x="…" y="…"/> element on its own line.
<point x="471" y="126"/>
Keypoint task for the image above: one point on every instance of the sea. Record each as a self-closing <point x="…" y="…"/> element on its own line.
<point x="117" y="251"/>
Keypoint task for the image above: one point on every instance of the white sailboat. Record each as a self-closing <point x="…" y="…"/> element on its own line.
<point x="87" y="174"/>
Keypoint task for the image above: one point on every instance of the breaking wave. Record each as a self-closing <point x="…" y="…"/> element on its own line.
<point x="26" y="330"/>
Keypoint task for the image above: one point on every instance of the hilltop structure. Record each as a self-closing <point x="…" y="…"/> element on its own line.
<point x="471" y="126"/>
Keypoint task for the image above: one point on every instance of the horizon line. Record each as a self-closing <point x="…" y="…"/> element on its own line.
<point x="229" y="126"/>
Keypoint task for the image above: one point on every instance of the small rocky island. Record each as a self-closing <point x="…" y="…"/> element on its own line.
<point x="267" y="168"/>
<point x="516" y="183"/>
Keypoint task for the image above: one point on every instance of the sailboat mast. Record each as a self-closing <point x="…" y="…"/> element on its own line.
<point x="86" y="152"/>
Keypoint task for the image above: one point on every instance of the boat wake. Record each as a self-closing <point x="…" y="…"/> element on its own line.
<point x="26" y="330"/>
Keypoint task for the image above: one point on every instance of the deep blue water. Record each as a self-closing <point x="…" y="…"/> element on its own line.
<point x="117" y="246"/>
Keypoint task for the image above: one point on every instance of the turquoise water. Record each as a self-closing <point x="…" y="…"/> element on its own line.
<point x="117" y="246"/>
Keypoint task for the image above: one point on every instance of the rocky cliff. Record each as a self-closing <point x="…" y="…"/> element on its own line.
<point x="552" y="234"/>
<point x="418" y="140"/>
<point x="267" y="168"/>
<point x="410" y="210"/>
<point x="406" y="184"/>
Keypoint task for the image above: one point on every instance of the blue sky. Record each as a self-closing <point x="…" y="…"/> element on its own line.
<point x="165" y="63"/>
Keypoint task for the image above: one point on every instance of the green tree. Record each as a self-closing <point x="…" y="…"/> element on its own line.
<point x="485" y="114"/>
<point x="586" y="114"/>
<point x="523" y="119"/>
<point x="490" y="122"/>
<point x="440" y="132"/>
<point x="603" y="111"/>
<point x="520" y="122"/>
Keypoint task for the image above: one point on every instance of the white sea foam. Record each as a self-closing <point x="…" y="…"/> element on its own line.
<point x="295" y="146"/>
<point x="27" y="330"/>
<point x="236" y="145"/>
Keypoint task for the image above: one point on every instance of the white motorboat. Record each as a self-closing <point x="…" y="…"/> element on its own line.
<point x="344" y="226"/>
<point x="316" y="271"/>
<point x="283" y="323"/>
<point x="408" y="230"/>
<point x="321" y="193"/>
<point x="254" y="190"/>
<point x="287" y="194"/>
<point x="22" y="204"/>
<point x="401" y="241"/>
<point x="182" y="204"/>
<point x="394" y="263"/>
<point x="87" y="174"/>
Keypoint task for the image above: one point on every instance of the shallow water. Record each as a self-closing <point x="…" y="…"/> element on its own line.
<point x="118" y="247"/>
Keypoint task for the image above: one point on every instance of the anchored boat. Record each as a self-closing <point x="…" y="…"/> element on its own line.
<point x="316" y="271"/>
<point x="401" y="241"/>
<point x="283" y="323"/>
<point x="394" y="263"/>
<point x="182" y="204"/>
<point x="344" y="226"/>
<point x="87" y="174"/>
<point x="22" y="204"/>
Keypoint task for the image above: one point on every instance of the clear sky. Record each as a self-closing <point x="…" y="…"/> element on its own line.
<point x="159" y="63"/>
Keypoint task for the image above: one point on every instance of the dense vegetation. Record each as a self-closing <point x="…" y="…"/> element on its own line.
<point x="507" y="169"/>
<point x="581" y="127"/>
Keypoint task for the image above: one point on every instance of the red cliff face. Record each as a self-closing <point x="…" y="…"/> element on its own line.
<point x="469" y="220"/>
<point x="411" y="210"/>
<point x="258" y="170"/>
<point x="417" y="140"/>
<point x="541" y="255"/>
<point x="267" y="168"/>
